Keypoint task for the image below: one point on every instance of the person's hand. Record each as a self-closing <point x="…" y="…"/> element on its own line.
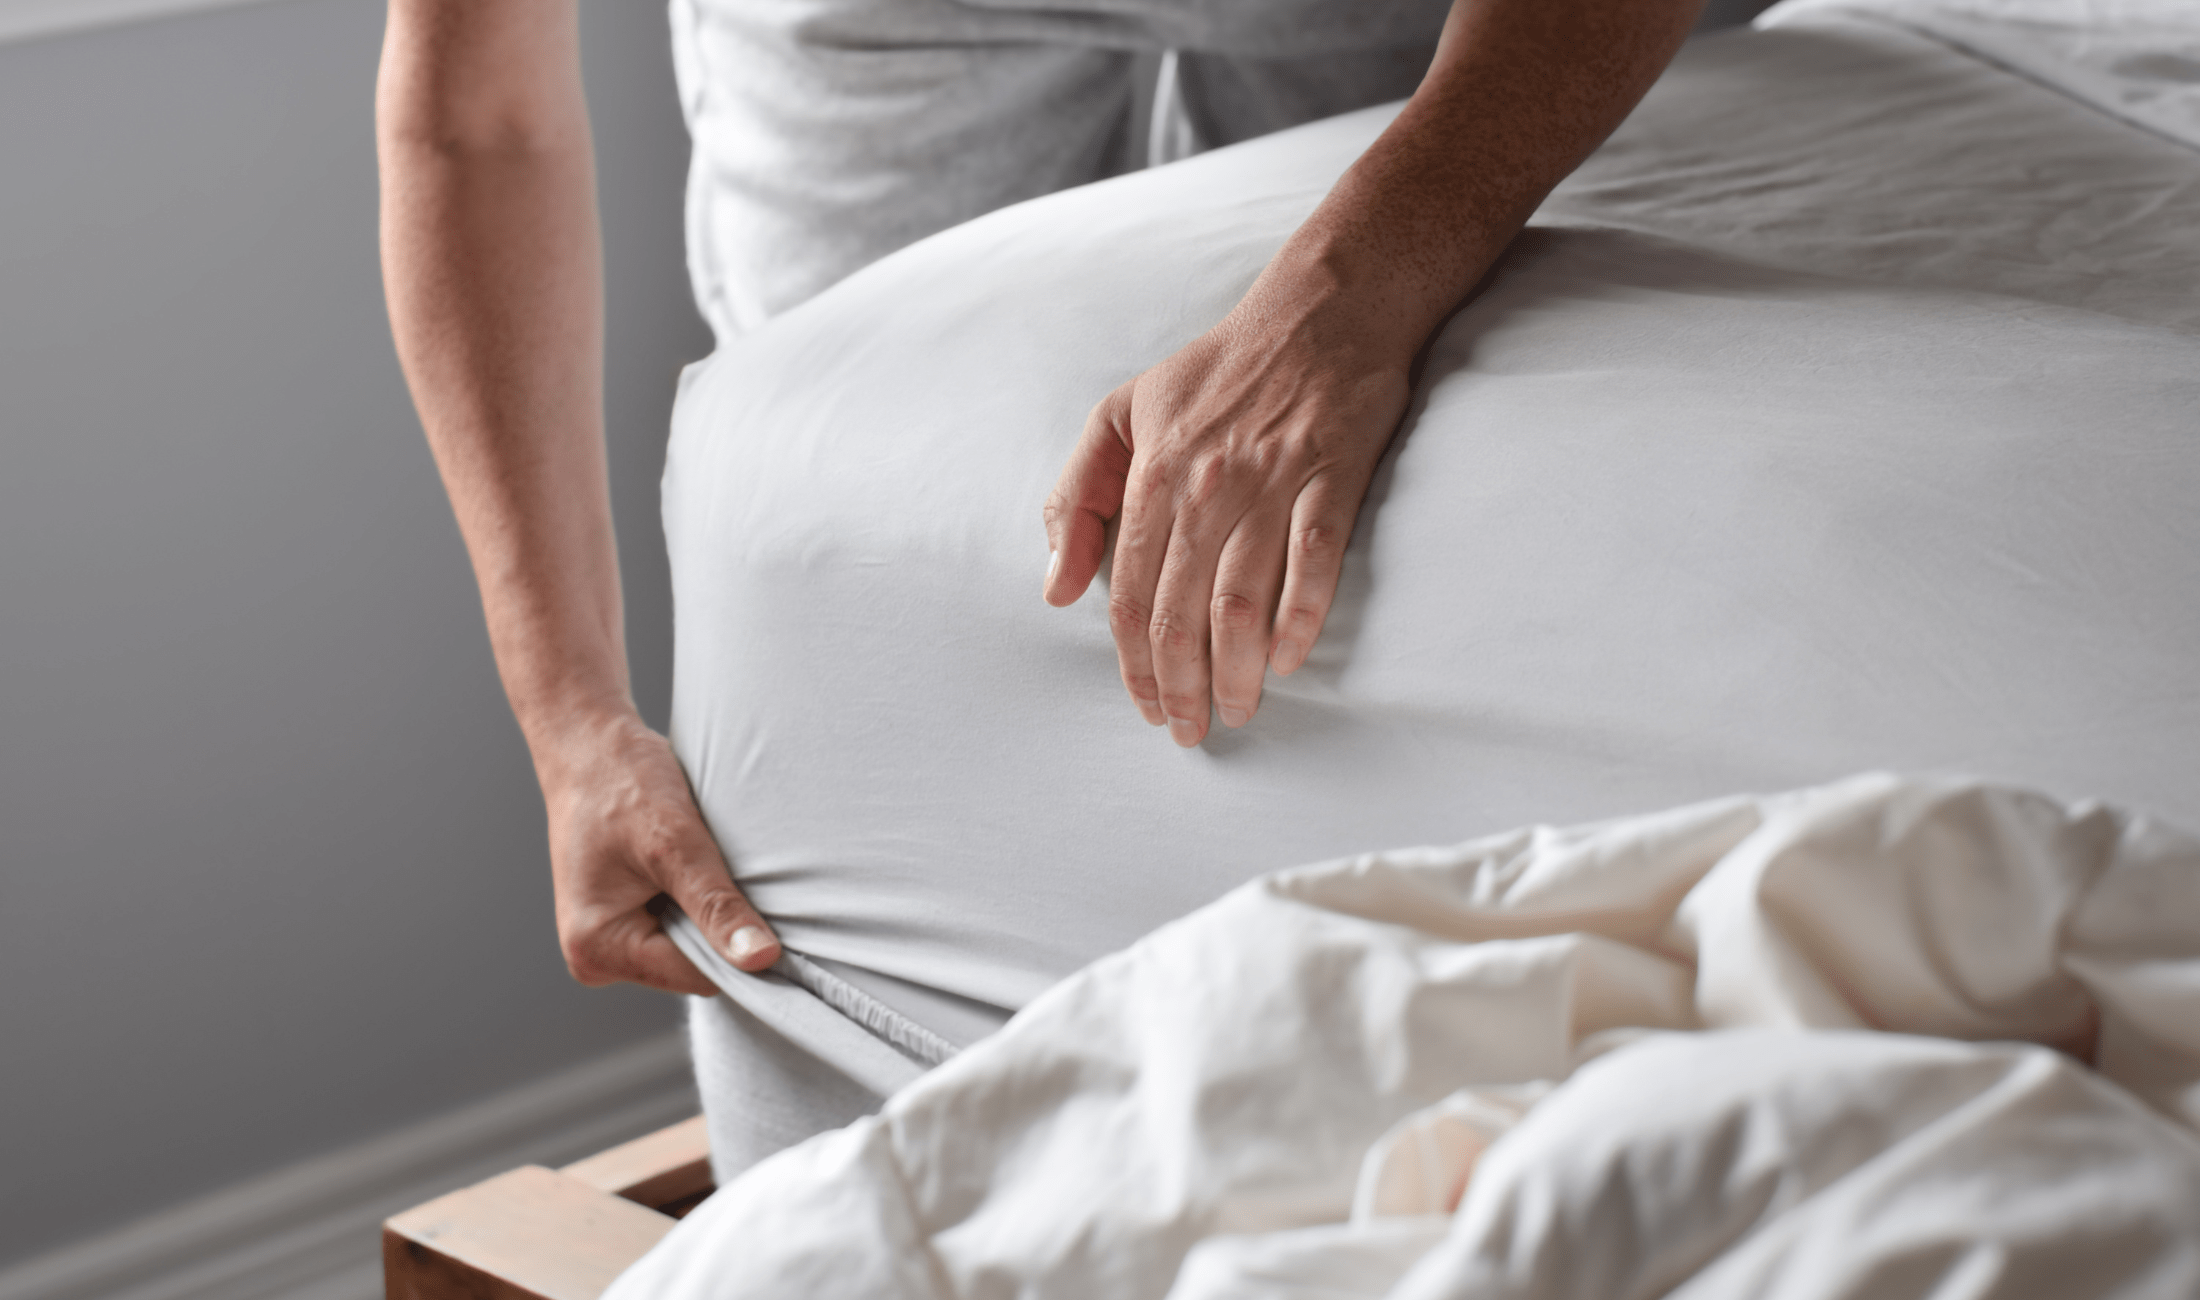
<point x="624" y="830"/>
<point x="1238" y="466"/>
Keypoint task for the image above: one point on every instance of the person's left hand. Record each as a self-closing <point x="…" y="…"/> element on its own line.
<point x="1238" y="466"/>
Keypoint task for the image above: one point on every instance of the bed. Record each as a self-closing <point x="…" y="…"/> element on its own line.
<point x="1841" y="413"/>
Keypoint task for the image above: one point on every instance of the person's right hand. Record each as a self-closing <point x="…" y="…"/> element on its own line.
<point x="624" y="829"/>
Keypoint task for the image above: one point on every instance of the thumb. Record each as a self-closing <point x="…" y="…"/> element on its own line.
<point x="1088" y="494"/>
<point x="704" y="889"/>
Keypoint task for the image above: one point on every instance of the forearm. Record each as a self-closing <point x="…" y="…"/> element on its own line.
<point x="492" y="269"/>
<point x="1520" y="92"/>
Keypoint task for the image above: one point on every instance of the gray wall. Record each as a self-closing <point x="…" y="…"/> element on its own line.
<point x="272" y="875"/>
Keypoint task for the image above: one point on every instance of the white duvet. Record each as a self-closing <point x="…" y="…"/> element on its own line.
<point x="1876" y="1040"/>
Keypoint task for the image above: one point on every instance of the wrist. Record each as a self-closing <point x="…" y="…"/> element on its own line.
<point x="1350" y="314"/>
<point x="569" y="737"/>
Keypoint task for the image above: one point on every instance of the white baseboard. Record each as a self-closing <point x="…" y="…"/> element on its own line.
<point x="21" y="20"/>
<point x="312" y="1231"/>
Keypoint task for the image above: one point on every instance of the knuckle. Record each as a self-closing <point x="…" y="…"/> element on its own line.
<point x="1317" y="544"/>
<point x="1204" y="478"/>
<point x="1142" y="688"/>
<point x="1172" y="637"/>
<point x="1235" y="612"/>
<point x="584" y="958"/>
<point x="658" y="846"/>
<point x="1159" y="458"/>
<point x="1183" y="704"/>
<point x="1149" y="481"/>
<point x="717" y="911"/>
<point x="1302" y="615"/>
<point x="1128" y="617"/>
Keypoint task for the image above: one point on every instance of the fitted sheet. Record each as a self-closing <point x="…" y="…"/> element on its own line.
<point x="2136" y="59"/>
<point x="1838" y="414"/>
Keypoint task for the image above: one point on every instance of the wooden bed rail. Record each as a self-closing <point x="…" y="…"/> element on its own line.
<point x="548" y="1234"/>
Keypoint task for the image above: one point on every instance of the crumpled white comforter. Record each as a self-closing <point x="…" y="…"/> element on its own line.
<point x="1885" y="1038"/>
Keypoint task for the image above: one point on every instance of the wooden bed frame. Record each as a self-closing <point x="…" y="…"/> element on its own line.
<point x="548" y="1234"/>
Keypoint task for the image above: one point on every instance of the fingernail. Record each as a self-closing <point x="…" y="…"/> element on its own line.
<point x="748" y="941"/>
<point x="1054" y="562"/>
<point x="1288" y="655"/>
<point x="1184" y="732"/>
<point x="1230" y="717"/>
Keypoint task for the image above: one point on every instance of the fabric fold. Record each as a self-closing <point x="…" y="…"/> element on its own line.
<point x="868" y="1041"/>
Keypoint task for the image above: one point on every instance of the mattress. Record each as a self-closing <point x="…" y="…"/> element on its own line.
<point x="1842" y="412"/>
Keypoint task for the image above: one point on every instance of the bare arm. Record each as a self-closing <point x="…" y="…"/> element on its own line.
<point x="1239" y="464"/>
<point x="493" y="273"/>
